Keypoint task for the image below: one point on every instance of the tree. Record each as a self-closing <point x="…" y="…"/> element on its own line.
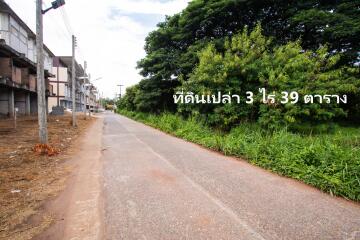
<point x="171" y="50"/>
<point x="250" y="62"/>
<point x="128" y="101"/>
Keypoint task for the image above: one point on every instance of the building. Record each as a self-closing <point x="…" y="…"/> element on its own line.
<point x="18" y="87"/>
<point x="62" y="86"/>
<point x="18" y="65"/>
<point x="92" y="98"/>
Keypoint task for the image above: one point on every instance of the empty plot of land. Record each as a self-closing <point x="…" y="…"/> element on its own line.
<point x="28" y="179"/>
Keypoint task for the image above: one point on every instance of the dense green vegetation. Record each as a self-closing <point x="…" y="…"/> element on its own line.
<point x="249" y="62"/>
<point x="327" y="161"/>
<point x="310" y="47"/>
<point x="171" y="50"/>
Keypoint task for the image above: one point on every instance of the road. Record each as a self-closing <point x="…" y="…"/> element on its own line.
<point x="160" y="187"/>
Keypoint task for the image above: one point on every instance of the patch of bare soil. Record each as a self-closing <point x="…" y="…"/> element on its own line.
<point x="28" y="178"/>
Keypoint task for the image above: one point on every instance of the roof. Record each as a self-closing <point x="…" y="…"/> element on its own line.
<point x="67" y="60"/>
<point x="5" y="8"/>
<point x="57" y="62"/>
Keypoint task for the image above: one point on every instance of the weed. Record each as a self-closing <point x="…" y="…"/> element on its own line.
<point x="330" y="162"/>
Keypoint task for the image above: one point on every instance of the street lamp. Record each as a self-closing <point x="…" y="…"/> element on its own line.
<point x="54" y="5"/>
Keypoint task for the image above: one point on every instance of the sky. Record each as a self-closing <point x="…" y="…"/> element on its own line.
<point x="110" y="33"/>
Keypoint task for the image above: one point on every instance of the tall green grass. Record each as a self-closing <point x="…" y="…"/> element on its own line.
<point x="330" y="162"/>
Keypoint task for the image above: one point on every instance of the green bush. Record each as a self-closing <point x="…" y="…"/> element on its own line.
<point x="330" y="162"/>
<point x="249" y="62"/>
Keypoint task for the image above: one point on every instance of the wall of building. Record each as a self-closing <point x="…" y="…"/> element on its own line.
<point x="22" y="40"/>
<point x="6" y="67"/>
<point x="64" y="76"/>
<point x="4" y="102"/>
<point x="61" y="75"/>
<point x="17" y="37"/>
<point x="52" y="102"/>
<point x="20" y="102"/>
<point x="33" y="104"/>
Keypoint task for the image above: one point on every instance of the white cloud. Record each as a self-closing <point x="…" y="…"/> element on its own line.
<point x="111" y="45"/>
<point x="150" y="7"/>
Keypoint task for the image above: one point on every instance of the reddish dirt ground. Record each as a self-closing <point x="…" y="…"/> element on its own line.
<point x="27" y="179"/>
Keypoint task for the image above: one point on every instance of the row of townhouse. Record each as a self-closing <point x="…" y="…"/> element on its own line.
<point x="85" y="92"/>
<point x="18" y="71"/>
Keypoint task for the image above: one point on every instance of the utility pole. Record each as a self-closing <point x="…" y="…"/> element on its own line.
<point x="43" y="133"/>
<point x="85" y="89"/>
<point x="120" y="91"/>
<point x="42" y="116"/>
<point x="73" y="78"/>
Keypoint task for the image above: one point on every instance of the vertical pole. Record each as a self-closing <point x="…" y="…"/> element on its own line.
<point x="85" y="100"/>
<point x="73" y="72"/>
<point x="15" y="124"/>
<point x="11" y="102"/>
<point x="120" y="91"/>
<point x="58" y="86"/>
<point x="43" y="134"/>
<point x="89" y="97"/>
<point x="85" y="87"/>
<point x="28" y="99"/>
<point x="90" y="87"/>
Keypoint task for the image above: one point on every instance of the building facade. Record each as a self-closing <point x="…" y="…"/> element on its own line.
<point x="92" y="98"/>
<point x="18" y="65"/>
<point x="61" y="84"/>
<point x="18" y="71"/>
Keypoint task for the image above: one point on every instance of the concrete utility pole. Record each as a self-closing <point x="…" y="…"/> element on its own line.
<point x="120" y="90"/>
<point x="42" y="109"/>
<point x="73" y="78"/>
<point x="85" y="89"/>
<point x="43" y="133"/>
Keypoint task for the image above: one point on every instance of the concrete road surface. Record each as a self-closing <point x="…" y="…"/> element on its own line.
<point x="160" y="187"/>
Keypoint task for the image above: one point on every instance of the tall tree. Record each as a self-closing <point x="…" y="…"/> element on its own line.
<point x="172" y="48"/>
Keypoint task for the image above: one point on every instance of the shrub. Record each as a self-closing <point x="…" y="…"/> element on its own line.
<point x="250" y="62"/>
<point x="327" y="161"/>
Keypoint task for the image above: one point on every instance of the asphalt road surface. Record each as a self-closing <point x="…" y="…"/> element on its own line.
<point x="160" y="187"/>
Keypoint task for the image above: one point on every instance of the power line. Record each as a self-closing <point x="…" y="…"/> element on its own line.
<point x="69" y="28"/>
<point x="66" y="29"/>
<point x="60" y="30"/>
<point x="66" y="21"/>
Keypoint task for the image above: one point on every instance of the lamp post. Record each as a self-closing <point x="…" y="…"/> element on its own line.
<point x="43" y="132"/>
<point x="54" y="5"/>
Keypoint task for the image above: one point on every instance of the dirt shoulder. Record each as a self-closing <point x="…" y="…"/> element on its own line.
<point x="78" y="210"/>
<point x="27" y="179"/>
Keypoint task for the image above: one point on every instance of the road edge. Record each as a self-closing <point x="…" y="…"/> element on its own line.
<point x="78" y="209"/>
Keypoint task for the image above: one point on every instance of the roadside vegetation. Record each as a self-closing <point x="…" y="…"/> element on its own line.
<point x="329" y="162"/>
<point x="309" y="47"/>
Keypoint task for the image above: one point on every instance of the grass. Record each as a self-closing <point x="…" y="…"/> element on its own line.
<point x="330" y="162"/>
